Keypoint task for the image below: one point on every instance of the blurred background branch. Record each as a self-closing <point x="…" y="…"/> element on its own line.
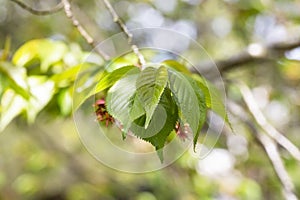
<point x="30" y="9"/>
<point x="265" y="125"/>
<point x="274" y="156"/>
<point x="254" y="53"/>
<point x="34" y="160"/>
<point x="270" y="149"/>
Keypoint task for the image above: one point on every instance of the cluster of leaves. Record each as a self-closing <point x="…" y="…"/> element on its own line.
<point x="149" y="103"/>
<point x="39" y="75"/>
<point x="152" y="102"/>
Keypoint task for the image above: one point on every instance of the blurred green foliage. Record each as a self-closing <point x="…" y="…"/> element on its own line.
<point x="41" y="71"/>
<point x="46" y="160"/>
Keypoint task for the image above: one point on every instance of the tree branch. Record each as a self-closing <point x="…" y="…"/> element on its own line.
<point x="265" y="125"/>
<point x="53" y="10"/>
<point x="82" y="31"/>
<point x="274" y="156"/>
<point x="271" y="150"/>
<point x="125" y="30"/>
<point x="247" y="56"/>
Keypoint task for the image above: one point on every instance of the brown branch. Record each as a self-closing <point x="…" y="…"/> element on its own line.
<point x="53" y="10"/>
<point x="65" y="4"/>
<point x="245" y="57"/>
<point x="125" y="30"/>
<point x="286" y="45"/>
<point x="223" y="65"/>
<point x="271" y="150"/>
<point x="89" y="39"/>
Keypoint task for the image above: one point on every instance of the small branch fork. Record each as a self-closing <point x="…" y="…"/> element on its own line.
<point x="271" y="150"/>
<point x="89" y="39"/>
<point x="265" y="125"/>
<point x="124" y="28"/>
<point x="234" y="61"/>
<point x="66" y="6"/>
<point x="278" y="165"/>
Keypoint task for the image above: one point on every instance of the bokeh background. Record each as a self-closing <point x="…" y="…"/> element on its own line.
<point x="46" y="160"/>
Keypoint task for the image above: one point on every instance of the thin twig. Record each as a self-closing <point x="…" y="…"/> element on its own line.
<point x="53" y="10"/>
<point x="124" y="28"/>
<point x="82" y="31"/>
<point x="265" y="125"/>
<point x="271" y="150"/>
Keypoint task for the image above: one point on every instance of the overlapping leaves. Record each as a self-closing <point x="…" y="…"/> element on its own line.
<point x="41" y="71"/>
<point x="150" y="103"/>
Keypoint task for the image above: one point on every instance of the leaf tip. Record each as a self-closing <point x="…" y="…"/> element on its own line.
<point x="124" y="135"/>
<point x="194" y="146"/>
<point x="160" y="155"/>
<point x="148" y="119"/>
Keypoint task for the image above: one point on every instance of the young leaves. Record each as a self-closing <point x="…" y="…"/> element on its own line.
<point x="149" y="103"/>
<point x="161" y="125"/>
<point x="16" y="77"/>
<point x="46" y="51"/>
<point x="11" y="105"/>
<point x="213" y="99"/>
<point x="150" y="86"/>
<point x="202" y="106"/>
<point x="177" y="66"/>
<point x="137" y="109"/>
<point x="108" y="79"/>
<point x="42" y="91"/>
<point x="186" y="100"/>
<point x="119" y="98"/>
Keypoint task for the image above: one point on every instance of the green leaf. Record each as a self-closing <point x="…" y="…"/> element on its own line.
<point x="150" y="86"/>
<point x="206" y="87"/>
<point x="214" y="101"/>
<point x="137" y="109"/>
<point x="46" y="51"/>
<point x="176" y="65"/>
<point x="202" y="108"/>
<point x="119" y="98"/>
<point x="11" y="105"/>
<point x="67" y="77"/>
<point x="85" y="84"/>
<point x="16" y="78"/>
<point x="65" y="102"/>
<point x="119" y="62"/>
<point x="6" y="50"/>
<point x="186" y="100"/>
<point x="161" y="125"/>
<point x="42" y="91"/>
<point x="3" y="84"/>
<point x="109" y="78"/>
